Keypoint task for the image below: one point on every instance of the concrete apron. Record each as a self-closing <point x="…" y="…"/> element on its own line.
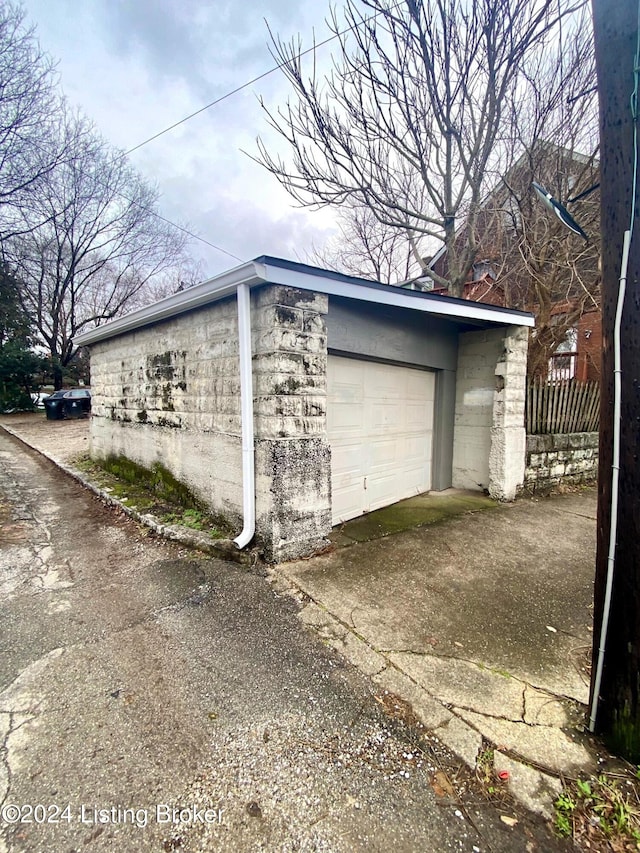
<point x="482" y="621"/>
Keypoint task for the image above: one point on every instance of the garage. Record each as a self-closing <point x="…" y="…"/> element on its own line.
<point x="380" y="429"/>
<point x="288" y="398"/>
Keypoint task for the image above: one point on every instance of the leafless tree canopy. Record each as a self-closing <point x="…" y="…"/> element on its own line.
<point x="553" y="126"/>
<point x="31" y="144"/>
<point x="97" y="245"/>
<point x="79" y="229"/>
<point x="409" y="123"/>
<point x="366" y="248"/>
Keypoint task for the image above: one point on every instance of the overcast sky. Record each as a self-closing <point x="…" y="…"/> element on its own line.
<point x="136" y="66"/>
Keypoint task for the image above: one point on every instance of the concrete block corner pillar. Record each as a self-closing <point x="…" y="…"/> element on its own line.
<point x="507" y="455"/>
<point x="293" y="457"/>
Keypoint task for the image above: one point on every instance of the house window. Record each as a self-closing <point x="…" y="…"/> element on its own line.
<point x="562" y="364"/>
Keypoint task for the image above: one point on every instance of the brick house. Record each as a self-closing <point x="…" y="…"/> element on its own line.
<point x="290" y="398"/>
<point x="567" y="311"/>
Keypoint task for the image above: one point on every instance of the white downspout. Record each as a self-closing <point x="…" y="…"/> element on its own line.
<point x="246" y="408"/>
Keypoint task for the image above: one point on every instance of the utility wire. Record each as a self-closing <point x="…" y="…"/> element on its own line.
<point x="186" y="231"/>
<point x="229" y="94"/>
<point x="224" y="97"/>
<point x="264" y="74"/>
<point x="213" y="103"/>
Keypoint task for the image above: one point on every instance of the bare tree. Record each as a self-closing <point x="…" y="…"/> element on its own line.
<point x="31" y="141"/>
<point x="366" y="248"/>
<point x="99" y="246"/>
<point x="552" y="127"/>
<point x="180" y="276"/>
<point x="408" y="123"/>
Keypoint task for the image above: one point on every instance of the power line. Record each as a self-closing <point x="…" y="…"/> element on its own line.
<point x="264" y="74"/>
<point x="190" y="233"/>
<point x="170" y="222"/>
<point x="222" y="98"/>
<point x="229" y="94"/>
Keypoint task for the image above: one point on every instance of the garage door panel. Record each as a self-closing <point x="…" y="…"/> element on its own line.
<point x="380" y="425"/>
<point x="414" y="387"/>
<point x="377" y="491"/>
<point x="348" y="392"/>
<point x="416" y="450"/>
<point x="347" y="459"/>
<point x="382" y="454"/>
<point x="383" y="417"/>
<point x="417" y="415"/>
<point x="346" y="419"/>
<point x="347" y="504"/>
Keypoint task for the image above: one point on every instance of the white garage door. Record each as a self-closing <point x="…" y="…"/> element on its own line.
<point x="380" y="427"/>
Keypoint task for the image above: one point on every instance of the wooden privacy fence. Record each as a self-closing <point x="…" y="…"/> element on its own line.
<point x="562" y="407"/>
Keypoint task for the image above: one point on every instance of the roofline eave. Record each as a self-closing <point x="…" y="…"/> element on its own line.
<point x="268" y="270"/>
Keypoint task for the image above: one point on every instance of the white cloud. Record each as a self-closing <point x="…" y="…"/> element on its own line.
<point x="137" y="66"/>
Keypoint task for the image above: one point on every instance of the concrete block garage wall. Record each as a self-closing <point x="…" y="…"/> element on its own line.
<point x="508" y="434"/>
<point x="293" y="459"/>
<point x="170" y="393"/>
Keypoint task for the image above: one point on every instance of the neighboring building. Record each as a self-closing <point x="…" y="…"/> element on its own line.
<point x="579" y="354"/>
<point x="528" y="260"/>
<point x="346" y="396"/>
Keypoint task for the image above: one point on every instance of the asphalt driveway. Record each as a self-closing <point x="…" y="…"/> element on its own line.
<point x="153" y="698"/>
<point x="480" y="618"/>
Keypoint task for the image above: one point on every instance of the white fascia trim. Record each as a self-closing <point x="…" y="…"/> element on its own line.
<point x="207" y="291"/>
<point x="252" y="273"/>
<point x="462" y="310"/>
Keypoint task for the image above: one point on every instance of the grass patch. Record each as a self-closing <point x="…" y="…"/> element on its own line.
<point x="152" y="490"/>
<point x="187" y="518"/>
<point x="600" y="813"/>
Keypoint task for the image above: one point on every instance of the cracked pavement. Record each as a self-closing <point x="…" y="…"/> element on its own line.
<point x="135" y="674"/>
<point x="483" y="622"/>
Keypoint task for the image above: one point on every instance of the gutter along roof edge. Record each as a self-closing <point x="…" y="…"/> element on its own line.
<point x="201" y="294"/>
<point x="291" y="274"/>
<point x="268" y="270"/>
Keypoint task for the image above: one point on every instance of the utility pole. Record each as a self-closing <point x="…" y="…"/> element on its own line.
<point x="618" y="705"/>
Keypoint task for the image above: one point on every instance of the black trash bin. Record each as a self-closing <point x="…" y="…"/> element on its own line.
<point x="54" y="406"/>
<point x="77" y="403"/>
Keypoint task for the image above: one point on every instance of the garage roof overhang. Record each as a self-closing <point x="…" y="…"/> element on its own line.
<point x="268" y="270"/>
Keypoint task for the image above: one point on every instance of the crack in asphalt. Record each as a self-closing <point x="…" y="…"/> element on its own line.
<point x="4" y="758"/>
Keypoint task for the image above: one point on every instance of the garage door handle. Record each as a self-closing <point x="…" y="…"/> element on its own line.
<point x="365" y="482"/>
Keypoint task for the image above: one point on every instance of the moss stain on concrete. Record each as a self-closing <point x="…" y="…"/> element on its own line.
<point x="409" y="514"/>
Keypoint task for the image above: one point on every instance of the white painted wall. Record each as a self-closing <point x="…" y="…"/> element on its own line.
<point x="170" y="394"/>
<point x="478" y="353"/>
<point x="489" y="434"/>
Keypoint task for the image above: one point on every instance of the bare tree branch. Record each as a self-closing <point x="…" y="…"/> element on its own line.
<point x="409" y="121"/>
<point x="32" y="142"/>
<point x="90" y="243"/>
